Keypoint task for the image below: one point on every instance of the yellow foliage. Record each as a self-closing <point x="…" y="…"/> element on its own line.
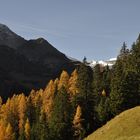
<point x="77" y="122"/>
<point x="2" y="130"/>
<point x="77" y="117"/>
<point x="64" y="79"/>
<point x="50" y="89"/>
<point x="21" y="109"/>
<point x="6" y="132"/>
<point x="48" y="97"/>
<point x="27" y="130"/>
<point x="103" y="93"/>
<point x="9" y="132"/>
<point x="73" y="89"/>
<point x="56" y="81"/>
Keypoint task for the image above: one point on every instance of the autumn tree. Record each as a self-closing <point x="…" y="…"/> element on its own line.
<point x="22" y="109"/>
<point x="64" y="79"/>
<point x="27" y="130"/>
<point x="48" y="97"/>
<point x="9" y="134"/>
<point x="2" y="130"/>
<point x="79" y="131"/>
<point x="72" y="84"/>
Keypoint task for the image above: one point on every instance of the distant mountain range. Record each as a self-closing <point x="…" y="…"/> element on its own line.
<point x="109" y="63"/>
<point x="28" y="64"/>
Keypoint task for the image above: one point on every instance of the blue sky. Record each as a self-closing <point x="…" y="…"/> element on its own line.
<point x="92" y="28"/>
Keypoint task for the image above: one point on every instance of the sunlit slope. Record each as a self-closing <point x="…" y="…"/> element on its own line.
<point x="125" y="126"/>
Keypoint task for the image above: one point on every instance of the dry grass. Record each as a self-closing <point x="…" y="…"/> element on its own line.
<point x="125" y="126"/>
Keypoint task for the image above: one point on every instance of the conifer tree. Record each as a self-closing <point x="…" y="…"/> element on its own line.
<point x="103" y="111"/>
<point x="73" y="89"/>
<point x="48" y="97"/>
<point x="60" y="120"/>
<point x="2" y="130"/>
<point x="64" y="78"/>
<point x="9" y="134"/>
<point x="22" y="109"/>
<point x="27" y="130"/>
<point x="43" y="127"/>
<point x="97" y="83"/>
<point x="85" y="98"/>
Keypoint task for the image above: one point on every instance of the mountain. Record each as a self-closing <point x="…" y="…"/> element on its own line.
<point x="125" y="126"/>
<point x="109" y="62"/>
<point x="28" y="64"/>
<point x="9" y="38"/>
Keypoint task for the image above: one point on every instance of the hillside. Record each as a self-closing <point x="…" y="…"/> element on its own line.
<point x="125" y="126"/>
<point x="28" y="64"/>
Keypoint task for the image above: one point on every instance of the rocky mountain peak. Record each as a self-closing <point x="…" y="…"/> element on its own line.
<point x="9" y="38"/>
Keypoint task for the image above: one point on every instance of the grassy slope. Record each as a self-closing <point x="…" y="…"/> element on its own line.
<point x="125" y="126"/>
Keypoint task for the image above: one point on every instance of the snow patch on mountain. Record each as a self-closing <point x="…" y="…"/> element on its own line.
<point x="109" y="62"/>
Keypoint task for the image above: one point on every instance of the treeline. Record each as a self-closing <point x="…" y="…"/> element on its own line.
<point x="75" y="105"/>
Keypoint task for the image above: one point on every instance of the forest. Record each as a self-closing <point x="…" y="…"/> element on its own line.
<point x="74" y="105"/>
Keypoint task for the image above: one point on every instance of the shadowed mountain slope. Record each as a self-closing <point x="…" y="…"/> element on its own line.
<point x="28" y="64"/>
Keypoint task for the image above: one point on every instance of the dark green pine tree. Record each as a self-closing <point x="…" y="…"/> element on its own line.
<point x="85" y="97"/>
<point x="97" y="83"/>
<point x="40" y="130"/>
<point x="103" y="111"/>
<point x="129" y="90"/>
<point x="124" y="51"/>
<point x="60" y="122"/>
<point x="102" y="106"/>
<point x="125" y="91"/>
<point x="134" y="59"/>
<point x="115" y="95"/>
<point x="30" y="112"/>
<point x="106" y="80"/>
<point x="43" y="127"/>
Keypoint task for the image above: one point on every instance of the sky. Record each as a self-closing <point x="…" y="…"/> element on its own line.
<point x="92" y="28"/>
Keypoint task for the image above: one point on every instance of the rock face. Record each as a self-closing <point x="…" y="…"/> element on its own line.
<point x="28" y="64"/>
<point x="9" y="38"/>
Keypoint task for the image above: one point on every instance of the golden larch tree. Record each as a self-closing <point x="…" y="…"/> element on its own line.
<point x="2" y="130"/>
<point x="48" y="97"/>
<point x="22" y="109"/>
<point x="77" y="123"/>
<point x="27" y="130"/>
<point x="64" y="79"/>
<point x="9" y="134"/>
<point x="73" y="89"/>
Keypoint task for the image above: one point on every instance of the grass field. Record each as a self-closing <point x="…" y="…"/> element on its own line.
<point x="125" y="126"/>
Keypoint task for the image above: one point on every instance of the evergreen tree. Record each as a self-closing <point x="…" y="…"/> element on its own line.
<point x="85" y="98"/>
<point x="103" y="111"/>
<point x="106" y="80"/>
<point x="97" y="83"/>
<point x="129" y="90"/>
<point x="43" y="127"/>
<point x="85" y="60"/>
<point x="60" y="120"/>
<point x="125" y="82"/>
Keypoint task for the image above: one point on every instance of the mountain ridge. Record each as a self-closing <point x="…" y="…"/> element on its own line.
<point x="28" y="64"/>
